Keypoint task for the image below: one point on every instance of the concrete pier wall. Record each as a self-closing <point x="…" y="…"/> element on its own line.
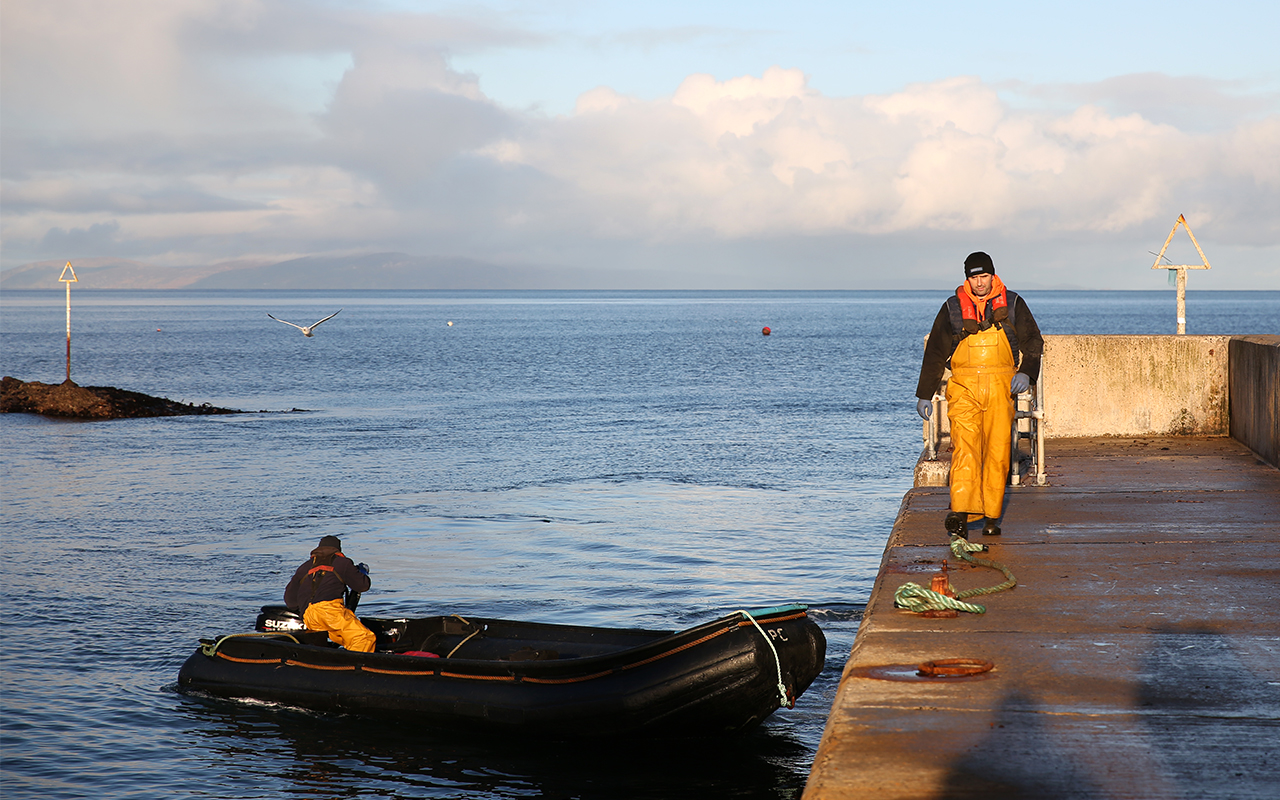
<point x="1254" y="375"/>
<point x="1136" y="386"/>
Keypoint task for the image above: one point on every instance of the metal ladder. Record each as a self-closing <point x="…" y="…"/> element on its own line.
<point x="1028" y="421"/>
<point x="1028" y="418"/>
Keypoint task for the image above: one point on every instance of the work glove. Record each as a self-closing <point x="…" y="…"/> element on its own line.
<point x="1020" y="383"/>
<point x="924" y="408"/>
<point x="363" y="569"/>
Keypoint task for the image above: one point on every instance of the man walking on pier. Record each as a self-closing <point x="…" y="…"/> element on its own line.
<point x="986" y="335"/>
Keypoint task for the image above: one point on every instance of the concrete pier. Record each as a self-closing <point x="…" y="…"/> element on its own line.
<point x="1139" y="655"/>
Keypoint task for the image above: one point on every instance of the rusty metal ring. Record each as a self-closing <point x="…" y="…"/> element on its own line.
<point x="944" y="667"/>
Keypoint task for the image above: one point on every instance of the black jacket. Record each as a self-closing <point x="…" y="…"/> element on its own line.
<point x="308" y="586"/>
<point x="945" y="336"/>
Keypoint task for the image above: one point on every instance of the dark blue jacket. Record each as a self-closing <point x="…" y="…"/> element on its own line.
<point x="322" y="577"/>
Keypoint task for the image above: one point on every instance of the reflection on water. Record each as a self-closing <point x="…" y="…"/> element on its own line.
<point x="284" y="752"/>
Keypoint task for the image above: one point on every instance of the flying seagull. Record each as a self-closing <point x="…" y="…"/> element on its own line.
<point x="307" y="330"/>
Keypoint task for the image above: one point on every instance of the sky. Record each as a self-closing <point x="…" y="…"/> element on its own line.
<point x="716" y="145"/>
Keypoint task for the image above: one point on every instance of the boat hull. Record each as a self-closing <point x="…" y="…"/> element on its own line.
<point x="552" y="679"/>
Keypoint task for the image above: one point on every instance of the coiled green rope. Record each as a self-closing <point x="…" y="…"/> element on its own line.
<point x="916" y="598"/>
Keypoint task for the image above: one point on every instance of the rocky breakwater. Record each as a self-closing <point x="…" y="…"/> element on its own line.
<point x="71" y="401"/>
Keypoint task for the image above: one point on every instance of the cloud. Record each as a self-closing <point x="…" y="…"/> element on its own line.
<point x="97" y="238"/>
<point x="118" y="194"/>
<point x="211" y="129"/>
<point x="397" y="119"/>
<point x="768" y="156"/>
<point x="1188" y="102"/>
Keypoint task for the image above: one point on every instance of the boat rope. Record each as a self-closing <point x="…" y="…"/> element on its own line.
<point x="787" y="702"/>
<point x="464" y="641"/>
<point x="212" y="649"/>
<point x="916" y="598"/>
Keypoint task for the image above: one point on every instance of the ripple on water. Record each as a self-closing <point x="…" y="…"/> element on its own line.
<point x="631" y="464"/>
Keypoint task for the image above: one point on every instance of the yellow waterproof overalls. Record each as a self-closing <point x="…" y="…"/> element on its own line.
<point x="342" y="624"/>
<point x="980" y="407"/>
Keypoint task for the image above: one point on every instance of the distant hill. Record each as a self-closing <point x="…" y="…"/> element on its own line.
<point x="365" y="271"/>
<point x="107" y="273"/>
<point x="375" y="271"/>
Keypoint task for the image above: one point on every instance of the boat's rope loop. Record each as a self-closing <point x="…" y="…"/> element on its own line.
<point x="786" y="700"/>
<point x="465" y="621"/>
<point x="211" y="650"/>
<point x="914" y="597"/>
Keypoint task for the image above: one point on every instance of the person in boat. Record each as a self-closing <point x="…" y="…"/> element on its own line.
<point x="985" y="333"/>
<point x="317" y="589"/>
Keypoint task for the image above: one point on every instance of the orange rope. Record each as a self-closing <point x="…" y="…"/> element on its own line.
<point x="675" y="650"/>
<point x="510" y="678"/>
<point x="801" y="615"/>
<point x="398" y="671"/>
<point x="570" y="680"/>
<point x="248" y="660"/>
<point x="347" y="668"/>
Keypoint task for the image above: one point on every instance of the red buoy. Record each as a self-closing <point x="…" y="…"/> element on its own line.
<point x="766" y="330"/>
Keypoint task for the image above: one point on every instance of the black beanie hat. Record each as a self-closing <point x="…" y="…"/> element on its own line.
<point x="978" y="263"/>
<point x="331" y="541"/>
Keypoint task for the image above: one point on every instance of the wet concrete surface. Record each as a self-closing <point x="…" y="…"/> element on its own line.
<point x="1138" y="657"/>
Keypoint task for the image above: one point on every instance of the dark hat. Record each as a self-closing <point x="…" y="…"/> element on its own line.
<point x="331" y="541"/>
<point x="978" y="263"/>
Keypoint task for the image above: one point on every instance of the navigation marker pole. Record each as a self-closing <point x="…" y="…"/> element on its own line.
<point x="68" y="282"/>
<point x="1181" y="269"/>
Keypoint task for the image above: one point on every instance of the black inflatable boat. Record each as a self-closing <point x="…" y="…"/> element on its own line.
<point x="560" y="680"/>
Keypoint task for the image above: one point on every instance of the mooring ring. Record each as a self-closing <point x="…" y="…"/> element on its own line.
<point x="947" y="667"/>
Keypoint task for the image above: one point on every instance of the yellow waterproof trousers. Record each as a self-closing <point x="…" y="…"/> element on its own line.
<point x="980" y="407"/>
<point x="341" y="623"/>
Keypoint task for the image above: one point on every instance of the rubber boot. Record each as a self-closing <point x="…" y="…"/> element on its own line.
<point x="990" y="528"/>
<point x="957" y="524"/>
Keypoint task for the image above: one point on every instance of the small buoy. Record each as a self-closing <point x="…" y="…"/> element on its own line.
<point x="157" y="330"/>
<point x="766" y="330"/>
<point x="449" y="323"/>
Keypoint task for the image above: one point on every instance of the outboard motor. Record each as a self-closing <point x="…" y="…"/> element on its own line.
<point x="278" y="618"/>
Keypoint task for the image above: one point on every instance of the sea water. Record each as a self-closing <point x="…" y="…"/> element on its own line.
<point x="643" y="459"/>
